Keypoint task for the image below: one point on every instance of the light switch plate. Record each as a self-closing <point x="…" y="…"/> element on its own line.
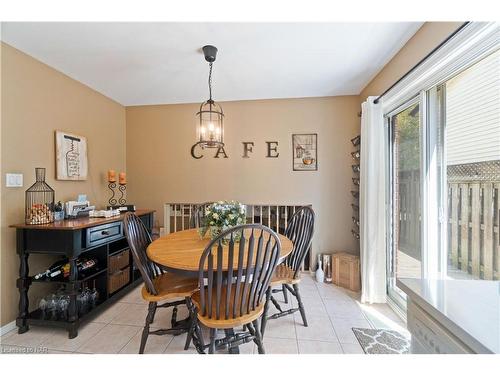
<point x="13" y="180"/>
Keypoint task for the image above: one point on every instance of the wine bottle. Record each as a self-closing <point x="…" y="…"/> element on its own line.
<point x="53" y="268"/>
<point x="61" y="269"/>
<point x="84" y="265"/>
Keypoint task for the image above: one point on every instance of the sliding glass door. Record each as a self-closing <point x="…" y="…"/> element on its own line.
<point x="404" y="255"/>
<point x="444" y="180"/>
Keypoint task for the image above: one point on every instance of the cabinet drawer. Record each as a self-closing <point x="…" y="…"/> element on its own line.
<point x="104" y="233"/>
<point x="118" y="261"/>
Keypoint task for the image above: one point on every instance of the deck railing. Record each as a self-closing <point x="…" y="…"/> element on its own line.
<point x="177" y="217"/>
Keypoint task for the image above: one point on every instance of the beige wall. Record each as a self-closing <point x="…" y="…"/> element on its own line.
<point x="36" y="100"/>
<point x="161" y="169"/>
<point x="423" y="42"/>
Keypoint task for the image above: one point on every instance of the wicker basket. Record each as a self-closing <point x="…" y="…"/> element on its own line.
<point x="118" y="261"/>
<point x="118" y="279"/>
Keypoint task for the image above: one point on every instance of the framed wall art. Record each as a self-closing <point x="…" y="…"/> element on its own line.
<point x="305" y="152"/>
<point x="71" y="156"/>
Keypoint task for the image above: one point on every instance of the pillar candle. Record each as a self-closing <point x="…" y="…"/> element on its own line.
<point x="111" y="176"/>
<point x="122" y="178"/>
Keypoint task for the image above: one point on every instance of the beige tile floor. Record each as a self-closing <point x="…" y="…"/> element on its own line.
<point x="331" y="313"/>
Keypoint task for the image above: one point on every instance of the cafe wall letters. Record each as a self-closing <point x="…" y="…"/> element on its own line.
<point x="71" y="156"/>
<point x="304" y="151"/>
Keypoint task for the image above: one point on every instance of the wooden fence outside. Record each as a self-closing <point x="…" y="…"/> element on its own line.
<point x="473" y="224"/>
<point x="473" y="228"/>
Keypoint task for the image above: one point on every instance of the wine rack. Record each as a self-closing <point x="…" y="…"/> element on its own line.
<point x="356" y="168"/>
<point x="99" y="239"/>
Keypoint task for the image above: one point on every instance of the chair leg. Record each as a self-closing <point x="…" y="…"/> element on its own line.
<point x="266" y="309"/>
<point x="258" y="337"/>
<point x="192" y="327"/>
<point x="173" y="320"/>
<point x="199" y="332"/>
<point x="149" y="319"/>
<point x="301" y="305"/>
<point x="230" y="333"/>
<point x="213" y="336"/>
<point x="285" y="293"/>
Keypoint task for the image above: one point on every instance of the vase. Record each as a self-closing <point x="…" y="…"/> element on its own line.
<point x="216" y="231"/>
<point x="320" y="275"/>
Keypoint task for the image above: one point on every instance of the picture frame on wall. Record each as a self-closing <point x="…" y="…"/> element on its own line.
<point x="71" y="156"/>
<point x="305" y="152"/>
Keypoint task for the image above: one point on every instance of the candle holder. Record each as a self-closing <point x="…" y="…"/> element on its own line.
<point x="122" y="188"/>
<point x="112" y="201"/>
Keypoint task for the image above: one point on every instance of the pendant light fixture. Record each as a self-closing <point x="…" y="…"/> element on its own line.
<point x="210" y="131"/>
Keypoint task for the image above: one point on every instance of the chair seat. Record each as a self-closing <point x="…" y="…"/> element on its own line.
<point x="170" y="285"/>
<point x="284" y="275"/>
<point x="230" y="322"/>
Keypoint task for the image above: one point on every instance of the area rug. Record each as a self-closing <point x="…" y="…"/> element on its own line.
<point x="382" y="341"/>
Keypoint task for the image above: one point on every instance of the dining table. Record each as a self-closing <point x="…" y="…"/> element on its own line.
<point x="180" y="253"/>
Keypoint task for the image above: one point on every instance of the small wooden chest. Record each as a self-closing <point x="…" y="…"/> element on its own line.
<point x="346" y="271"/>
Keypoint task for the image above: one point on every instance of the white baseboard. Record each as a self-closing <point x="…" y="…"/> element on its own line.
<point x="7" y="328"/>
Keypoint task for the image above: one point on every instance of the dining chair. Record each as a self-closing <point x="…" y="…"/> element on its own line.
<point x="300" y="231"/>
<point x="198" y="214"/>
<point x="159" y="285"/>
<point x="234" y="273"/>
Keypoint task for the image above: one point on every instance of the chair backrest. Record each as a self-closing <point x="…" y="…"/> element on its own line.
<point x="138" y="239"/>
<point x="198" y="214"/>
<point x="300" y="231"/>
<point x="237" y="273"/>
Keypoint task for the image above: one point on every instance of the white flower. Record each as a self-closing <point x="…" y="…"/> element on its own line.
<point x="230" y="216"/>
<point x="212" y="223"/>
<point x="216" y="215"/>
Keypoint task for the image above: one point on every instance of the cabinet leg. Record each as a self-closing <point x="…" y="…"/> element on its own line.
<point x="72" y="332"/>
<point x="72" y="307"/>
<point x="23" y="284"/>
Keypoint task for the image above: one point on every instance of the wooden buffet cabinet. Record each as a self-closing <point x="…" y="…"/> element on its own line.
<point x="100" y="238"/>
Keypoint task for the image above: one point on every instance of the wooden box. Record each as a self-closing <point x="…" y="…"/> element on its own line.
<point x="346" y="271"/>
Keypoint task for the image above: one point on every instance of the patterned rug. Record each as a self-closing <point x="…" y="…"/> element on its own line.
<point x="382" y="341"/>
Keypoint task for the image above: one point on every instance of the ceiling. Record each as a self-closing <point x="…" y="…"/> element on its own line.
<point x="156" y="63"/>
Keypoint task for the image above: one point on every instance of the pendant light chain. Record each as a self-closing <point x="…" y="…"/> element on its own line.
<point x="210" y="81"/>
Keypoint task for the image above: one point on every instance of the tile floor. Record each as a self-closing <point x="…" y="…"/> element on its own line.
<point x="331" y="313"/>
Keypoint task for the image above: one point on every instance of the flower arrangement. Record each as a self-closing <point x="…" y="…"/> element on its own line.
<point x="222" y="215"/>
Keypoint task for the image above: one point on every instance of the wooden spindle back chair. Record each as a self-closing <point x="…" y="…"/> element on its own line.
<point x="233" y="279"/>
<point x="300" y="231"/>
<point x="139" y="239"/>
<point x="158" y="285"/>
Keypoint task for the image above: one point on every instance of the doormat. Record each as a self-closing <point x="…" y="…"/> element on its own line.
<point x="382" y="341"/>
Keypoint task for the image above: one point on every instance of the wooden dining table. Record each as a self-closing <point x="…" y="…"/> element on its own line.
<point x="180" y="252"/>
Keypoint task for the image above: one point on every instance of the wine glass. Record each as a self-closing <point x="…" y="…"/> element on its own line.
<point x="94" y="295"/>
<point x="62" y="306"/>
<point x="52" y="306"/>
<point x="42" y="305"/>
